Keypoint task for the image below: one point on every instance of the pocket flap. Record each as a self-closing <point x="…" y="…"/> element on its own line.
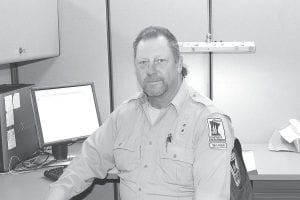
<point x="124" y="145"/>
<point x="177" y="153"/>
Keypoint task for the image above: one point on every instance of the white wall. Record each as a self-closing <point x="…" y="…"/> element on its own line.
<point x="4" y="74"/>
<point x="186" y="19"/>
<point x="83" y="51"/>
<point x="260" y="91"/>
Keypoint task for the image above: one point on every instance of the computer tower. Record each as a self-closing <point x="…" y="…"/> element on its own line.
<point x="18" y="139"/>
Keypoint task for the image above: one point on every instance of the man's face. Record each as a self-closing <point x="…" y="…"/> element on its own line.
<point x="157" y="72"/>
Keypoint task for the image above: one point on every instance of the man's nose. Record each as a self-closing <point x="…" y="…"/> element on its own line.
<point x="151" y="68"/>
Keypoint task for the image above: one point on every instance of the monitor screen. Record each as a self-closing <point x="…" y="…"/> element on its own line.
<point x="65" y="113"/>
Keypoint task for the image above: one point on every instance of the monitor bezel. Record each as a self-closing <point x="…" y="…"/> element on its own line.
<point x="38" y="126"/>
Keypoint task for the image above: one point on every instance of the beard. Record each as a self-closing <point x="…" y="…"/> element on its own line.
<point x="154" y="88"/>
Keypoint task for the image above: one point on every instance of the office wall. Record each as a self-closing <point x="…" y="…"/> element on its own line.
<point x="260" y="91"/>
<point x="186" y="19"/>
<point x="83" y="51"/>
<point x="4" y="74"/>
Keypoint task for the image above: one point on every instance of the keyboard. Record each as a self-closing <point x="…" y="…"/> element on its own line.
<point x="54" y="173"/>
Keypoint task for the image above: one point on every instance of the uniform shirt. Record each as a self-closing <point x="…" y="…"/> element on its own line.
<point x="184" y="155"/>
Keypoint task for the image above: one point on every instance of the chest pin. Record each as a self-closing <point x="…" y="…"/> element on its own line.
<point x="183" y="128"/>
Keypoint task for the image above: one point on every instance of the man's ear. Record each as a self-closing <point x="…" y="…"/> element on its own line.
<point x="179" y="64"/>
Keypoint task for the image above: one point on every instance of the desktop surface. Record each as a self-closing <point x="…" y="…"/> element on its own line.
<point x="34" y="185"/>
<point x="273" y="165"/>
<point x="278" y="178"/>
<point x="23" y="186"/>
<point x="278" y="173"/>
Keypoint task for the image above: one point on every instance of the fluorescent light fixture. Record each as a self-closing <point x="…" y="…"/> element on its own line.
<point x="217" y="47"/>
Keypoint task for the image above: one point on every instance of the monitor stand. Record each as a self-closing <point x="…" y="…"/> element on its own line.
<point x="60" y="151"/>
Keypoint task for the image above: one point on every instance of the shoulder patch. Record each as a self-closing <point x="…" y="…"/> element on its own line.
<point x="216" y="137"/>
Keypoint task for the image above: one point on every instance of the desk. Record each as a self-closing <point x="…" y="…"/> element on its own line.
<point x="23" y="186"/>
<point x="34" y="186"/>
<point x="278" y="173"/>
<point x="278" y="178"/>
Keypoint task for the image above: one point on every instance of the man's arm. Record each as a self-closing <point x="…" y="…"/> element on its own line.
<point x="94" y="160"/>
<point x="212" y="158"/>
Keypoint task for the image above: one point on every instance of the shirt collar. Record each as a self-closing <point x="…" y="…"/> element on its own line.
<point x="140" y="98"/>
<point x="180" y="97"/>
<point x="177" y="101"/>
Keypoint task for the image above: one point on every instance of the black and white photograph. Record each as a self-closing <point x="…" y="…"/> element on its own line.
<point x="149" y="100"/>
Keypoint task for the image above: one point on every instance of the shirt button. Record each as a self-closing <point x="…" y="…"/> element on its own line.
<point x="145" y="166"/>
<point x="150" y="143"/>
<point x="140" y="189"/>
<point x="174" y="156"/>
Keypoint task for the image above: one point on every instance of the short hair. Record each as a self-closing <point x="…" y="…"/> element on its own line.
<point x="153" y="32"/>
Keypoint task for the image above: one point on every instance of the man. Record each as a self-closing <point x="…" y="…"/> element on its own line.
<point x="168" y="143"/>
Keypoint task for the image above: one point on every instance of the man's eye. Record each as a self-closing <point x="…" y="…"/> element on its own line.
<point x="143" y="62"/>
<point x="161" y="61"/>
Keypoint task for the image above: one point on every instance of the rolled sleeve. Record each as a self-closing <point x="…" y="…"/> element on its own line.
<point x="212" y="158"/>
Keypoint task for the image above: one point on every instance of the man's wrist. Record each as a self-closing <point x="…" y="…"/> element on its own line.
<point x="56" y="194"/>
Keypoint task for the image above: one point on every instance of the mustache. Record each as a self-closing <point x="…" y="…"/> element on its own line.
<point x="152" y="78"/>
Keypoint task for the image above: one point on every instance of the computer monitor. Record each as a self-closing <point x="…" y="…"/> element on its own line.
<point x="64" y="114"/>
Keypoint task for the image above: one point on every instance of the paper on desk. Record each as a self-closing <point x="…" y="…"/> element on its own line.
<point x="277" y="143"/>
<point x="289" y="133"/>
<point x="249" y="160"/>
<point x="296" y="124"/>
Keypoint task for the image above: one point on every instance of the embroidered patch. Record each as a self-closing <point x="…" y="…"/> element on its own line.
<point x="235" y="170"/>
<point x="216" y="138"/>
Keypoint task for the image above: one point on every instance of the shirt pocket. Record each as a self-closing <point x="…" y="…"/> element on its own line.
<point x="176" y="164"/>
<point x="127" y="156"/>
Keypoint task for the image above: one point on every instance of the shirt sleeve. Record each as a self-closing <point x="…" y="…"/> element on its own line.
<point x="94" y="160"/>
<point x="212" y="157"/>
